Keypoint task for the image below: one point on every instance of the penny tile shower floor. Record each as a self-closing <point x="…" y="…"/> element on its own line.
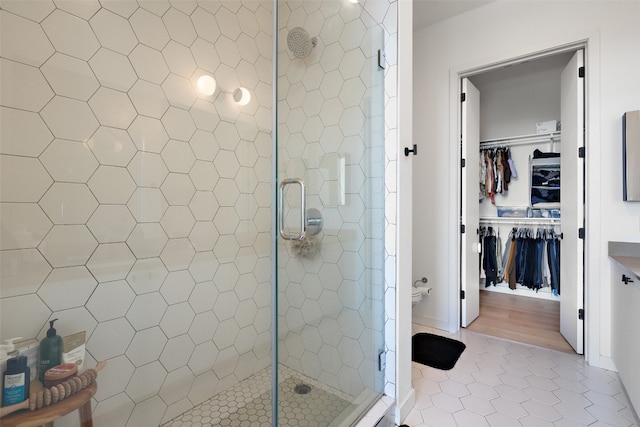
<point x="249" y="404"/>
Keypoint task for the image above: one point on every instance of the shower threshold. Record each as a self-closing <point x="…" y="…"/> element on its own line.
<point x="248" y="403"/>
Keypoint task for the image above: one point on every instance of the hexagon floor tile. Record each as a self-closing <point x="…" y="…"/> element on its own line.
<point x="303" y="402"/>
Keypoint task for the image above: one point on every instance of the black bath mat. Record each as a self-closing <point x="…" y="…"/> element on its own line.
<point x="436" y="351"/>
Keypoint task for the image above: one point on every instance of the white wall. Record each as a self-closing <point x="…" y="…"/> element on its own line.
<point x="497" y="32"/>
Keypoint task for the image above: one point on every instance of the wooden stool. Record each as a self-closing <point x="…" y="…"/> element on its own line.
<point x="47" y="415"/>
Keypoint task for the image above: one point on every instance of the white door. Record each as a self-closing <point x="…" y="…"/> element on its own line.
<point x="470" y="208"/>
<point x="572" y="204"/>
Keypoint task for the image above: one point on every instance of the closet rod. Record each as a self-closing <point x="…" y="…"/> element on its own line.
<point x="521" y="221"/>
<point x="521" y="140"/>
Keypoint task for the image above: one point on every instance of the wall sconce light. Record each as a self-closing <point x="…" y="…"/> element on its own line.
<point x="206" y="85"/>
<point x="241" y="96"/>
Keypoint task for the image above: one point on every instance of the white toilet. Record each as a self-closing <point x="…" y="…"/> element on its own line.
<point x="417" y="292"/>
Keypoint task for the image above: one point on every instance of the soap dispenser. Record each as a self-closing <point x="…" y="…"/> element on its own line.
<point x="50" y="351"/>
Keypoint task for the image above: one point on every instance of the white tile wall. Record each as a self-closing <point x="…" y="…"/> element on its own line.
<point x="139" y="210"/>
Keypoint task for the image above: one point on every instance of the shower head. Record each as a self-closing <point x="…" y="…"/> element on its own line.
<point x="300" y="43"/>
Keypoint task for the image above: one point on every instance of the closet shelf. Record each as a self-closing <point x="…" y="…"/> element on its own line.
<point x="523" y="221"/>
<point x="521" y="140"/>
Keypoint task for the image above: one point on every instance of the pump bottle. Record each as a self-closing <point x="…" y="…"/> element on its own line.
<point x="50" y="351"/>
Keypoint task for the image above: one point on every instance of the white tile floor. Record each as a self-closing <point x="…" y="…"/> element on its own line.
<point x="501" y="383"/>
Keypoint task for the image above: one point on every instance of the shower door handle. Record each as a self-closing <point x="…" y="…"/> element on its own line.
<point x="303" y="209"/>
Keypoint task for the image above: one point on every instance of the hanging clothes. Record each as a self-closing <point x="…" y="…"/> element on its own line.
<point x="530" y="259"/>
<point x="495" y="172"/>
<point x="489" y="259"/>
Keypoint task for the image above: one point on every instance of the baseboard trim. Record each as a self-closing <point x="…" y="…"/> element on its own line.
<point x="403" y="408"/>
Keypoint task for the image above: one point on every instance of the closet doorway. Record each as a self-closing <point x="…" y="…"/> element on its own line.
<point x="522" y="186"/>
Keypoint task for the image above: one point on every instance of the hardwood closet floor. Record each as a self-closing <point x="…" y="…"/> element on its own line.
<point x="527" y="320"/>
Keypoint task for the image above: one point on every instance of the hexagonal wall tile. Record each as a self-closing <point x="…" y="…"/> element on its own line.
<point x="70" y="34"/>
<point x="110" y="300"/>
<point x="34" y="180"/>
<point x="205" y="25"/>
<point x="68" y="245"/>
<point x="24" y="225"/>
<point x="177" y="221"/>
<point x="203" y="145"/>
<point x="149" y="64"/>
<point x="113" y="70"/>
<point x="67" y="203"/>
<point x="29" y="44"/>
<point x="111" y="261"/>
<point x="146" y="310"/>
<point x="177" y="287"/>
<point x="147" y="240"/>
<point x="112" y="146"/>
<point x="179" y="91"/>
<point x="203" y="236"/>
<point x="177" y="189"/>
<point x="177" y="319"/>
<point x="147" y="204"/>
<point x="112" y="185"/>
<point x="203" y="357"/>
<point x="113" y="379"/>
<point x="147" y="275"/>
<point x="178" y="156"/>
<point x="22" y="271"/>
<point x="203" y="327"/>
<point x="179" y="59"/>
<point x="149" y="29"/>
<point x="149" y="99"/>
<point x="178" y="124"/>
<point x="84" y="9"/>
<point x="113" y="31"/>
<point x="177" y="352"/>
<point x="110" y="339"/>
<point x="69" y="119"/>
<point x="19" y="126"/>
<point x="14" y="308"/>
<point x="23" y="87"/>
<point x="203" y="297"/>
<point x="111" y="223"/>
<point x="70" y="77"/>
<point x="203" y="175"/>
<point x="203" y="266"/>
<point x="69" y="161"/>
<point x="112" y="108"/>
<point x="148" y="169"/>
<point x="146" y="346"/>
<point x="67" y="287"/>
<point x="148" y="134"/>
<point x="180" y="27"/>
<point x="177" y="254"/>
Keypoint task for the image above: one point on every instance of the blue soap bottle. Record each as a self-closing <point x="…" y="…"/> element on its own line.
<point x="16" y="381"/>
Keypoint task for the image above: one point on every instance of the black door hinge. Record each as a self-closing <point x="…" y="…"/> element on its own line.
<point x="463" y="162"/>
<point x="581" y="72"/>
<point x="463" y="97"/>
<point x="581" y="313"/>
<point x="462" y="228"/>
<point x="462" y="295"/>
<point x="581" y="152"/>
<point x="581" y="233"/>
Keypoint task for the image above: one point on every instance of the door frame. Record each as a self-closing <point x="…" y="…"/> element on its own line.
<point x="456" y="77"/>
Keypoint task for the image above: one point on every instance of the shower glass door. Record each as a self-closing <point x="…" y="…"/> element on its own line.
<point x="330" y="173"/>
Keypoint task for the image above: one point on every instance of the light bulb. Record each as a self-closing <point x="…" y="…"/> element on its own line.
<point x="241" y="96"/>
<point x="206" y="85"/>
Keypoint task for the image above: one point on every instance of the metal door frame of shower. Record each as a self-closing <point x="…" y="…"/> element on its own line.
<point x="274" y="223"/>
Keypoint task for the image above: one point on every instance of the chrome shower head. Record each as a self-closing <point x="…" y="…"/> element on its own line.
<point x="300" y="43"/>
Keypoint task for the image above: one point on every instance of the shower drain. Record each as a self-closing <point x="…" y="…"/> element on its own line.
<point x="302" y="389"/>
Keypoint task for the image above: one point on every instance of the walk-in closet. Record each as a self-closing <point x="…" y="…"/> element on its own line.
<point x="522" y="198"/>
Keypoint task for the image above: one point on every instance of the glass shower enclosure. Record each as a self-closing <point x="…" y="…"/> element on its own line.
<point x="199" y="186"/>
<point x="330" y="206"/>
